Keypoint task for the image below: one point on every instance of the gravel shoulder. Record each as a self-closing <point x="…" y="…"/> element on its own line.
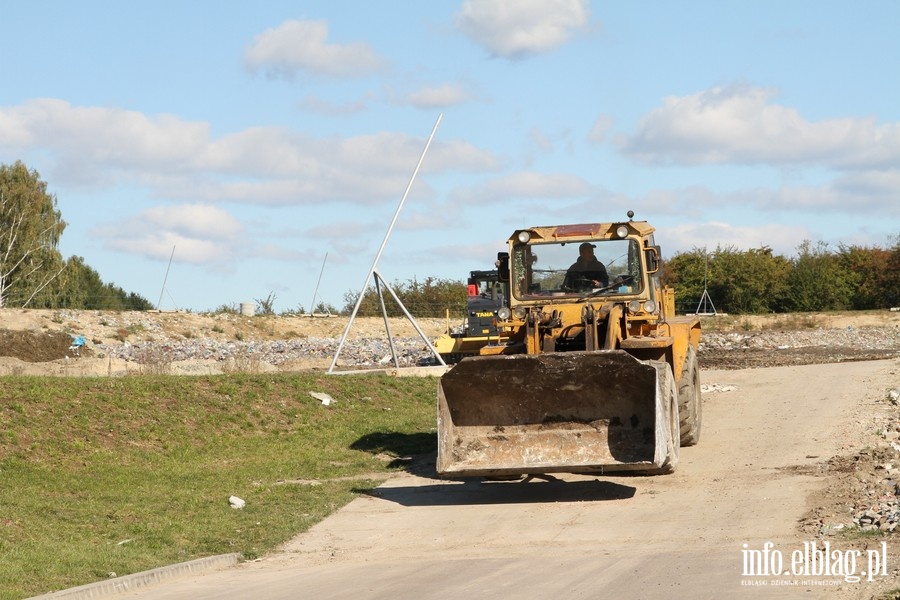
<point x="34" y="342"/>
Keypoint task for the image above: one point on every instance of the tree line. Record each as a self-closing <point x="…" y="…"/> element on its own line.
<point x="33" y="273"/>
<point x="758" y="281"/>
<point x="431" y="297"/>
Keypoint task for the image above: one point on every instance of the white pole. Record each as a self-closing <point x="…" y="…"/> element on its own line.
<point x="312" y="306"/>
<point x="383" y="244"/>
<point x="159" y="304"/>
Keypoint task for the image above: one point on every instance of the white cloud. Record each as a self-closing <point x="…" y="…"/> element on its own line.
<point x="316" y="104"/>
<point x="93" y="143"/>
<point x="875" y="184"/>
<point x="856" y="196"/>
<point x="438" y="220"/>
<point x="349" y="230"/>
<point x="298" y="46"/>
<point x="741" y="125"/>
<point x="439" y="215"/>
<point x="276" y="252"/>
<point x="863" y="196"/>
<point x="602" y="126"/>
<point x="782" y="239"/>
<point x="195" y="220"/>
<point x="524" y="185"/>
<point x="477" y="255"/>
<point x="100" y="147"/>
<point x="199" y="234"/>
<point x="438" y="96"/>
<point x="520" y="28"/>
<point x="298" y="169"/>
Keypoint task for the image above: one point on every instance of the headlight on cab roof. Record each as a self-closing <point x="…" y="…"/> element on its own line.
<point x="622" y="231"/>
<point x="524" y="236"/>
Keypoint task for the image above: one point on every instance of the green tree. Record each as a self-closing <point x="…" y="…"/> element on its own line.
<point x="30" y="228"/>
<point x="80" y="286"/>
<point x="266" y="306"/>
<point x="32" y="271"/>
<point x="891" y="284"/>
<point x="431" y="297"/>
<point x="867" y="270"/>
<point x="818" y="282"/>
<point x="686" y="272"/>
<point x="748" y="281"/>
<point x="73" y="288"/>
<point x="324" y="308"/>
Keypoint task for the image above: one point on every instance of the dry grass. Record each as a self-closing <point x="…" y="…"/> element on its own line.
<point x="799" y="321"/>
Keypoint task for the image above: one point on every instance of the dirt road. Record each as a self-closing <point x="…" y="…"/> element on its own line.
<point x="687" y="535"/>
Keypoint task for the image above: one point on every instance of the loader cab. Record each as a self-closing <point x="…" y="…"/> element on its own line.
<point x="546" y="270"/>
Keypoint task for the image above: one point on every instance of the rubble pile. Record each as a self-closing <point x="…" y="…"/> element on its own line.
<point x="850" y="337"/>
<point x="871" y="478"/>
<point x="770" y="348"/>
<point x="880" y="508"/>
<point x="717" y="350"/>
<point x="355" y="352"/>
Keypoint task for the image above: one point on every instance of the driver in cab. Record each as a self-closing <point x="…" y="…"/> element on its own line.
<point x="587" y="272"/>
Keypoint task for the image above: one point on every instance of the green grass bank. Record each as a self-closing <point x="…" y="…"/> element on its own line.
<point x="105" y="477"/>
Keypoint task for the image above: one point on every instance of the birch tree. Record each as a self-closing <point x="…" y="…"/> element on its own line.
<point x="30" y="228"/>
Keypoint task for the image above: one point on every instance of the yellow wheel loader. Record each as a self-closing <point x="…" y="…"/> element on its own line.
<point x="591" y="372"/>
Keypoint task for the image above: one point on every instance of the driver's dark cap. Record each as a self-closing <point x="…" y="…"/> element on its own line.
<point x="586" y="245"/>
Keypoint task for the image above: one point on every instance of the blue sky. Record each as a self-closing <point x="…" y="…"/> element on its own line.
<point x="248" y="141"/>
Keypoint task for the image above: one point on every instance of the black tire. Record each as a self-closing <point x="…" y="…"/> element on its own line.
<point x="667" y="384"/>
<point x="690" y="404"/>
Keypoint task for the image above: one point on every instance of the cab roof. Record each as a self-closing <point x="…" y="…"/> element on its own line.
<point x="582" y="231"/>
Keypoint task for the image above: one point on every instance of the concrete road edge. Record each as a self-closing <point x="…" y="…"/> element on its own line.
<point x="127" y="583"/>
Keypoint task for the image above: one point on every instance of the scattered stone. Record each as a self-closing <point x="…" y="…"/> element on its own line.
<point x="324" y="398"/>
<point x="711" y="388"/>
<point x="734" y="350"/>
<point x="894" y="396"/>
<point x="355" y="352"/>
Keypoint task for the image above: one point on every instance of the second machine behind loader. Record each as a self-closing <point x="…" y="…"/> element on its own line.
<point x="592" y="370"/>
<point x="486" y="295"/>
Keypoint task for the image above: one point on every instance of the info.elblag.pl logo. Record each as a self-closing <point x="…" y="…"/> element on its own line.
<point x="812" y="560"/>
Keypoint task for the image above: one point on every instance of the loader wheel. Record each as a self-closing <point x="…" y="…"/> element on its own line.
<point x="672" y="444"/>
<point x="690" y="405"/>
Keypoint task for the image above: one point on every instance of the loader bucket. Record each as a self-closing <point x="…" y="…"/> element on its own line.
<point x="573" y="412"/>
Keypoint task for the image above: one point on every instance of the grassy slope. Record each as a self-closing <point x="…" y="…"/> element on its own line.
<point x="102" y="476"/>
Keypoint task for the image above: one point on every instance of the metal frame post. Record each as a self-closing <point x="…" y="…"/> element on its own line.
<point x="372" y="270"/>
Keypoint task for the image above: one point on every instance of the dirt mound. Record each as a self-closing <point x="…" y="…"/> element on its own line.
<point x="758" y="358"/>
<point x="39" y="346"/>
